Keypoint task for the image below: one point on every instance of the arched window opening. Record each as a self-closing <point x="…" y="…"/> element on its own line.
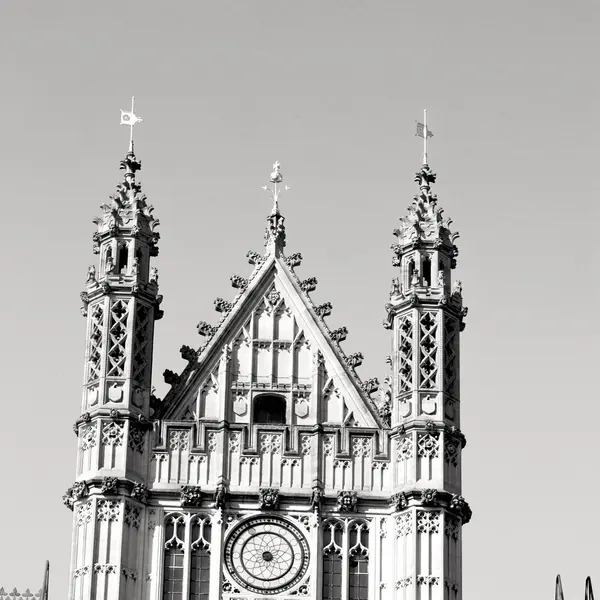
<point x="269" y="410"/>
<point x="122" y="258"/>
<point x="173" y="558"/>
<point x="358" y="562"/>
<point x="411" y="270"/>
<point x="332" y="561"/>
<point x="200" y="559"/>
<point x="138" y="261"/>
<point x="426" y="271"/>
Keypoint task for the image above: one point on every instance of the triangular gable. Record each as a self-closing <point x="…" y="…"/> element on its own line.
<point x="271" y="334"/>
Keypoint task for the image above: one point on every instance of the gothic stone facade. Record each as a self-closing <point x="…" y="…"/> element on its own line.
<point x="269" y="469"/>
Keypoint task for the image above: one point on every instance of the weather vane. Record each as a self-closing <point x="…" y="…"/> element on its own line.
<point x="276" y="179"/>
<point x="128" y="118"/>
<point x="425" y="133"/>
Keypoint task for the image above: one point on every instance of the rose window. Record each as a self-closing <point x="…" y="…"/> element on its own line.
<point x="266" y="555"/>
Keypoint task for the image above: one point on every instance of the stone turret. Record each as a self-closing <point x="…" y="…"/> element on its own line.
<point x="425" y="314"/>
<point x="121" y="303"/>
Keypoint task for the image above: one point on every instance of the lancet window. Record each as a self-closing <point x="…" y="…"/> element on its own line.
<point x="186" y="561"/>
<point x="345" y="560"/>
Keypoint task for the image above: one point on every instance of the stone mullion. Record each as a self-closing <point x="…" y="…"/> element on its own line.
<point x="216" y="554"/>
<point x="395" y="369"/>
<point x="187" y="543"/>
<point x="316" y="568"/>
<point x="417" y="356"/>
<point x="345" y="571"/>
<point x="415" y="554"/>
<point x="442" y="550"/>
<point x="129" y="347"/>
<point x="120" y="526"/>
<point x="159" y="563"/>
<point x="316" y="456"/>
<point x="272" y="346"/>
<point x="440" y="379"/>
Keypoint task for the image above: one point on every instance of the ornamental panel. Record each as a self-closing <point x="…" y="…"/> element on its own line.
<point x="266" y="555"/>
<point x="428" y="364"/>
<point x="117" y="338"/>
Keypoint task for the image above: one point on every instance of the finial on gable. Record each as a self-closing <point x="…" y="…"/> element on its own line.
<point x="275" y="232"/>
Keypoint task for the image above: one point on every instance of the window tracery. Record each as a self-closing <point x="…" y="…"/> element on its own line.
<point x="117" y="338"/>
<point x="95" y="356"/>
<point x="345" y="559"/>
<point x="405" y="349"/>
<point x="428" y="364"/>
<point x="186" y="560"/>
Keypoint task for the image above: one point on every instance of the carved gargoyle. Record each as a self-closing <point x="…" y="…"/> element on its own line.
<point x="155" y="402"/>
<point x="324" y="310"/>
<point x="140" y="492"/>
<point x="170" y="377"/>
<point x="254" y="258"/>
<point x="355" y="360"/>
<point x="339" y="335"/>
<point x="223" y="306"/>
<point x="206" y="330"/>
<point x="158" y="313"/>
<point x="188" y="353"/>
<point x="191" y="495"/>
<point x="316" y="500"/>
<point x="293" y="260"/>
<point x="398" y="501"/>
<point x="220" y="496"/>
<point x="308" y="285"/>
<point x="239" y="283"/>
<point x="370" y="385"/>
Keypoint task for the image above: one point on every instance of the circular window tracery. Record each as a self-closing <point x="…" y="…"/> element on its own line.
<point x="266" y="555"/>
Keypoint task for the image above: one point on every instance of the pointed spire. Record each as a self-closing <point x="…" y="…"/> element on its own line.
<point x="44" y="590"/>
<point x="558" y="592"/>
<point x="275" y="231"/>
<point x="424" y="222"/>
<point x="589" y="594"/>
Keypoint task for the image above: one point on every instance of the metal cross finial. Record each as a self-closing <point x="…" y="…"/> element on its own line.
<point x="276" y="179"/>
<point x="425" y="133"/>
<point x="128" y="118"/>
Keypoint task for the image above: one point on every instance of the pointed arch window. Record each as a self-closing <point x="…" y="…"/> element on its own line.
<point x="426" y="270"/>
<point x="332" y="560"/>
<point x="269" y="410"/>
<point x="358" y="563"/>
<point x="410" y="269"/>
<point x="173" y="563"/>
<point x="186" y="561"/>
<point x="345" y="560"/>
<point x="200" y="558"/>
<point x="122" y="258"/>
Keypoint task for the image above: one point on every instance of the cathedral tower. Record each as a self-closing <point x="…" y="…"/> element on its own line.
<point x="270" y="469"/>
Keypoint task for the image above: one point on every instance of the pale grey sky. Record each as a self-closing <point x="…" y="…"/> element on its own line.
<point x="331" y="89"/>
